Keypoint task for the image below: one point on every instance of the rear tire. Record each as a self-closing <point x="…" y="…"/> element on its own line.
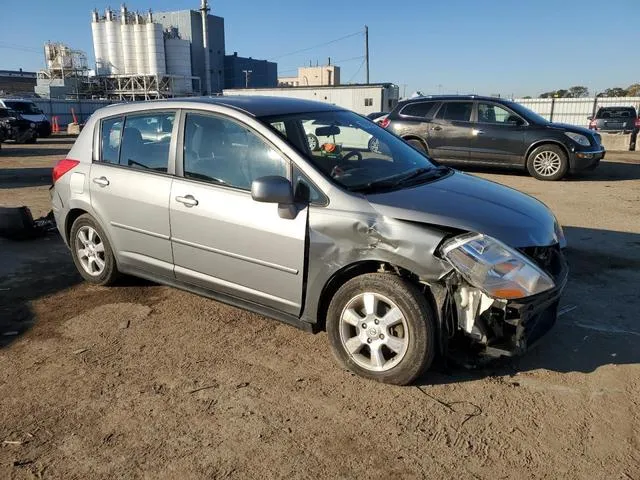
<point x="91" y="252"/>
<point x="548" y="162"/>
<point x="418" y="145"/>
<point x="381" y="327"/>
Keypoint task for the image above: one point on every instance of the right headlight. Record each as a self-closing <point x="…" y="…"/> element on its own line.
<point x="495" y="268"/>
<point x="578" y="138"/>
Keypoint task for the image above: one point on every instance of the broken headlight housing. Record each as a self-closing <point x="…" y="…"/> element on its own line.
<point x="493" y="267"/>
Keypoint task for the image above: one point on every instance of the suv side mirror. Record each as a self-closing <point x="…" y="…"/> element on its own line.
<point x="275" y="189"/>
<point x="590" y="117"/>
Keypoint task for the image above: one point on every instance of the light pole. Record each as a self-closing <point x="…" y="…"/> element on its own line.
<point x="246" y="77"/>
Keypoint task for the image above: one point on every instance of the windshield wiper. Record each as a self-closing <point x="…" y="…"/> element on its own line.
<point x="421" y="173"/>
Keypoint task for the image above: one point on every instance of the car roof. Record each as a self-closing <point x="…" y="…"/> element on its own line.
<point x="440" y="98"/>
<point x="256" y="105"/>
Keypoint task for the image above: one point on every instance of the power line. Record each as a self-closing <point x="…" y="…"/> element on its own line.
<point x="358" y="71"/>
<point x="13" y="46"/>
<point x="319" y="45"/>
<point x="334" y="62"/>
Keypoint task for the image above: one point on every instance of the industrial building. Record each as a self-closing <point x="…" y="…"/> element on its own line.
<point x="317" y="76"/>
<point x="17" y="82"/>
<point x="241" y="72"/>
<point x="362" y="98"/>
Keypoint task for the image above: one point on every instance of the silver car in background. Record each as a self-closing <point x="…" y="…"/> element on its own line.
<point x="396" y="257"/>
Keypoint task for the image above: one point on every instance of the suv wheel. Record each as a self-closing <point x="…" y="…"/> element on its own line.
<point x="547" y="162"/>
<point x="92" y="252"/>
<point x="381" y="326"/>
<point x="418" y="145"/>
<point x="312" y="140"/>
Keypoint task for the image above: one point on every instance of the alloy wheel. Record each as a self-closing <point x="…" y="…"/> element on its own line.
<point x="90" y="250"/>
<point x="374" y="332"/>
<point x="547" y="163"/>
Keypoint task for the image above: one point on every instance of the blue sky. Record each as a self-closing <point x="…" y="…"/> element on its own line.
<point x="508" y="47"/>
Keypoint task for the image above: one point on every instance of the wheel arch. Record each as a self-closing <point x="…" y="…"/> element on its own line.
<point x="356" y="269"/>
<point x="406" y="138"/>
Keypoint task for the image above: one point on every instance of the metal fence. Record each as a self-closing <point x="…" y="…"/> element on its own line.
<point x="62" y="108"/>
<point x="575" y="110"/>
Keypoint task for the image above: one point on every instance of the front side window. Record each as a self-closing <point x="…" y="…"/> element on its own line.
<point x="354" y="152"/>
<point x="27" y="108"/>
<point x="491" y="113"/>
<point x="455" y="111"/>
<point x="224" y="152"/>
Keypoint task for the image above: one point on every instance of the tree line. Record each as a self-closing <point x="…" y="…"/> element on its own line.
<point x="579" y="91"/>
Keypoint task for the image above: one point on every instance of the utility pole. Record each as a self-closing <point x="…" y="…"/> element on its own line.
<point x="366" y="50"/>
<point x="246" y="77"/>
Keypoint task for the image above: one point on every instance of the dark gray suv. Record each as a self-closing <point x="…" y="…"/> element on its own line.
<point x="491" y="131"/>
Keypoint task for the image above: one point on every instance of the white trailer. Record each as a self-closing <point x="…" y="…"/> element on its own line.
<point x="362" y="99"/>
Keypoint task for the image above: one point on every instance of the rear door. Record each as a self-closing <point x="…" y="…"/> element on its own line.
<point x="130" y="187"/>
<point x="222" y="239"/>
<point x="449" y="133"/>
<point x="497" y="135"/>
<point x="413" y="119"/>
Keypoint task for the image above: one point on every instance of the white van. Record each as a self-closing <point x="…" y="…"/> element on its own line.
<point x="29" y="111"/>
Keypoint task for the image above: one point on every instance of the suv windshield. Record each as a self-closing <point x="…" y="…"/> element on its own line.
<point x="27" y="108"/>
<point x="529" y="115"/>
<point x="353" y="151"/>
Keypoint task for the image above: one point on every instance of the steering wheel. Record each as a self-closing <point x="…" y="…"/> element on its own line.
<point x="350" y="154"/>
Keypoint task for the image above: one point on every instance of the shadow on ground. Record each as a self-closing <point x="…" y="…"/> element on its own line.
<point x="606" y="171"/>
<point x="24" y="177"/>
<point x="601" y="326"/>
<point x="10" y="150"/>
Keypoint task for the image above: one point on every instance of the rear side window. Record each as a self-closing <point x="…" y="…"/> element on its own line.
<point x="618" y="113"/>
<point x="418" y="109"/>
<point x="455" y="111"/>
<point x="138" y="141"/>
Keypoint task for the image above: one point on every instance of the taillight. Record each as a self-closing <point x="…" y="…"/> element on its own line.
<point x="593" y="125"/>
<point x="385" y="123"/>
<point x="62" y="167"/>
<point x="637" y="122"/>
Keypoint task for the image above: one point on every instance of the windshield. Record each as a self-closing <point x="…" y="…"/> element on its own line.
<point x="529" y="115"/>
<point x="27" y="108"/>
<point x="351" y="150"/>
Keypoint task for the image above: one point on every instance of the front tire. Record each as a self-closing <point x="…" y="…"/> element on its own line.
<point x="314" y="144"/>
<point x="381" y="327"/>
<point x="548" y="162"/>
<point x="91" y="252"/>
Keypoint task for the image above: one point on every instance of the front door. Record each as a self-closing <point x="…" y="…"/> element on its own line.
<point x="498" y="136"/>
<point x="130" y="187"/>
<point x="222" y="239"/>
<point x="449" y="135"/>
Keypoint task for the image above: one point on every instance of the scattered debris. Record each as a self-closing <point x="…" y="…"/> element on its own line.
<point x="125" y="324"/>
<point x="207" y="387"/>
<point x="242" y="385"/>
<point x="79" y="351"/>
<point x="450" y="406"/>
<point x="22" y="463"/>
<point x="11" y="333"/>
<point x="17" y="223"/>
<point x="12" y="442"/>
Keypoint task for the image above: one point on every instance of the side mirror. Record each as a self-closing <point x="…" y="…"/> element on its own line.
<point x="590" y="117"/>
<point x="275" y="189"/>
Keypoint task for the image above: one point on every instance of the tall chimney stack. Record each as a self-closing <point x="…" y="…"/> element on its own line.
<point x="204" y="12"/>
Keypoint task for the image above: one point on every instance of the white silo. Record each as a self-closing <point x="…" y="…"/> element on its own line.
<point x="140" y="42"/>
<point x="155" y="48"/>
<point x="178" y="55"/>
<point x="128" y="42"/>
<point x="99" y="46"/>
<point x="114" y="45"/>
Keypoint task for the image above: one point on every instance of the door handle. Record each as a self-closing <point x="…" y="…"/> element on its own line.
<point x="102" y="181"/>
<point x="475" y="132"/>
<point x="187" y="200"/>
<point x="437" y="128"/>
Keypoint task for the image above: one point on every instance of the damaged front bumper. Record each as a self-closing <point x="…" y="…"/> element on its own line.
<point x="489" y="328"/>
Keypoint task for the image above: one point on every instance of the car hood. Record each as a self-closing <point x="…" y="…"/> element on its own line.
<point x="565" y="127"/>
<point x="469" y="203"/>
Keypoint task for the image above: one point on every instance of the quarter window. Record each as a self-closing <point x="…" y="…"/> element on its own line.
<point x="224" y="152"/>
<point x="111" y="136"/>
<point x="456" y="111"/>
<point x="490" y="113"/>
<point x="420" y="109"/>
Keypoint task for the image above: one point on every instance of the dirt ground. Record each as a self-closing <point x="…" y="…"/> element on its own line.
<point x="145" y="381"/>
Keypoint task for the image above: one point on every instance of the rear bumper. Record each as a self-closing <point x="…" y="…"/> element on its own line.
<point x="586" y="160"/>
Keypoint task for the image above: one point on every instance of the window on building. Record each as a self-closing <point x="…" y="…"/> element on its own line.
<point x="368" y="102"/>
<point x="227" y="153"/>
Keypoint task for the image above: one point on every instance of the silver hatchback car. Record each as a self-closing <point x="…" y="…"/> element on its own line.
<point x="397" y="257"/>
